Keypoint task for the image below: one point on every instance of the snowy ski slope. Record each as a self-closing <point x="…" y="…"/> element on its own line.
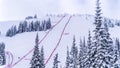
<point x="54" y="40"/>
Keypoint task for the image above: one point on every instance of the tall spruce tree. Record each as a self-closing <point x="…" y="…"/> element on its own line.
<point x="89" y="47"/>
<point x="2" y="54"/>
<point x="37" y="25"/>
<point x="73" y="55"/>
<point x="116" y="65"/>
<point x="81" y="54"/>
<point x="56" y="61"/>
<point x="117" y="44"/>
<point x="48" y="24"/>
<point x="32" y="26"/>
<point x="14" y="30"/>
<point x="68" y="59"/>
<point x="42" y="58"/>
<point x="101" y="54"/>
<point x="25" y="26"/>
<point x="36" y="58"/>
<point x="84" y="47"/>
<point x="20" y="28"/>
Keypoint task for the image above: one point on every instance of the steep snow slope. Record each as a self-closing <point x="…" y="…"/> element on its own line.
<point x="21" y="44"/>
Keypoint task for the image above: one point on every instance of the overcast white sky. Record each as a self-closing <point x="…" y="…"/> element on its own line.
<point x="19" y="9"/>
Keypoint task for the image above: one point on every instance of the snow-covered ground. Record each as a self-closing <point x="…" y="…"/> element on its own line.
<point x="20" y="44"/>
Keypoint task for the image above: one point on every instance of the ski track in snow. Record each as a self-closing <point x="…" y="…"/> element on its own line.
<point x="58" y="40"/>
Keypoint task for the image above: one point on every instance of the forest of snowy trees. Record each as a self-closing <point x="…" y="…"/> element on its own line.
<point x="29" y="27"/>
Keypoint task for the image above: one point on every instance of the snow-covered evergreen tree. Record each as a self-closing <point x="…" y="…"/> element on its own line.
<point x="117" y="44"/>
<point x="81" y="54"/>
<point x="32" y="26"/>
<point x="37" y="58"/>
<point x="68" y="59"/>
<point x="37" y="25"/>
<point x="14" y="30"/>
<point x="25" y="26"/>
<point x="8" y="33"/>
<point x="2" y="54"/>
<point x="48" y="24"/>
<point x="56" y="61"/>
<point x="42" y="58"/>
<point x="73" y="55"/>
<point x="116" y="56"/>
<point x="44" y="26"/>
<point x="101" y="54"/>
<point x="20" y="28"/>
<point x="89" y="46"/>
<point x="84" y="46"/>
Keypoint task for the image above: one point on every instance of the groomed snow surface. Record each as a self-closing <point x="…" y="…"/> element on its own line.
<point x="20" y="44"/>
